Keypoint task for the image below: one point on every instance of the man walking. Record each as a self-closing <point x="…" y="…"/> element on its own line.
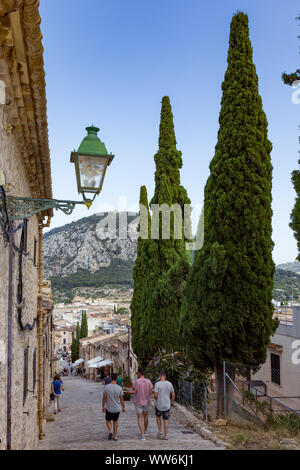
<point x="107" y="379"/>
<point x="120" y="380"/>
<point x="56" y="388"/>
<point x="165" y="396"/>
<point x="112" y="404"/>
<point x="142" y="390"/>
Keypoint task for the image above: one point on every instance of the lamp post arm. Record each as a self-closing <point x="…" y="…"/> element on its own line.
<point x="19" y="208"/>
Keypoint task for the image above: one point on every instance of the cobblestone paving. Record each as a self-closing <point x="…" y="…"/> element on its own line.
<point x="81" y="425"/>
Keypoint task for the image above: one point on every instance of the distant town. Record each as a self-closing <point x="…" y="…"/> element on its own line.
<point x="108" y="341"/>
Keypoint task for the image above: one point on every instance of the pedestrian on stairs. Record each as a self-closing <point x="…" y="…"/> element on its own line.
<point x="142" y="390"/>
<point x="165" y="396"/>
<point x="112" y="405"/>
<point x="57" y="387"/>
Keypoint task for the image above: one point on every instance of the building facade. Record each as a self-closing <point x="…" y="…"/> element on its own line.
<point x="63" y="336"/>
<point x="26" y="327"/>
<point x="281" y="371"/>
<point x="115" y="349"/>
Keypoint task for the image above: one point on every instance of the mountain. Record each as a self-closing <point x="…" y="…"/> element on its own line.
<point x="93" y="251"/>
<point x="286" y="285"/>
<point x="101" y="249"/>
<point x="293" y="266"/>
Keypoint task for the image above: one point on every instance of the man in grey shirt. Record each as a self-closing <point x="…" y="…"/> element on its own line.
<point x="112" y="403"/>
<point x="165" y="396"/>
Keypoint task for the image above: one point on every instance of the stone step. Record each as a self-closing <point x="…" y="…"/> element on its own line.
<point x="81" y="425"/>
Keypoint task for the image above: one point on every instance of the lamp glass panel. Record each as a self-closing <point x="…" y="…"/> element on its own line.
<point x="91" y="171"/>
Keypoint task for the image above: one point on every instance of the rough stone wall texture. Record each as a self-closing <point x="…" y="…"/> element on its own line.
<point x="122" y="359"/>
<point x="24" y="417"/>
<point x="48" y="369"/>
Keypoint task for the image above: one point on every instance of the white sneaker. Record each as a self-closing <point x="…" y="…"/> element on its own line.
<point x="143" y="438"/>
<point x="160" y="435"/>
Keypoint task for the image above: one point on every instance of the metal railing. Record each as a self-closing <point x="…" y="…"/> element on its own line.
<point x="192" y="395"/>
<point x="239" y="375"/>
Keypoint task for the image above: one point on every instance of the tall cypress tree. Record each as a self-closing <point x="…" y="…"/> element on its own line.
<point x="168" y="260"/>
<point x="84" y="325"/>
<point x="139" y="277"/>
<point x="78" y="336"/>
<point x="227" y="314"/>
<point x="290" y="79"/>
<point x="74" y="348"/>
<point x="295" y="215"/>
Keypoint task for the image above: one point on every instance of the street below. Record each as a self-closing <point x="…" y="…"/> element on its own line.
<point x="81" y="425"/>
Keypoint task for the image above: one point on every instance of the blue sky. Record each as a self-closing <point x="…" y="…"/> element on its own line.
<point x="110" y="62"/>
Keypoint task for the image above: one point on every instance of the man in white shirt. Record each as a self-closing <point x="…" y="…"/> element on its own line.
<point x="112" y="404"/>
<point x="165" y="396"/>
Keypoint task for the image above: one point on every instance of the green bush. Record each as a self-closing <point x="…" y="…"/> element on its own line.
<point x="127" y="384"/>
<point x="176" y="366"/>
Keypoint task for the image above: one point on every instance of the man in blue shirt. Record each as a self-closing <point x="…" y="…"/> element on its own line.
<point x="107" y="379"/>
<point x="57" y="387"/>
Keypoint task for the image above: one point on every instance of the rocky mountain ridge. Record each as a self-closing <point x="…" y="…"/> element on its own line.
<point x="90" y="244"/>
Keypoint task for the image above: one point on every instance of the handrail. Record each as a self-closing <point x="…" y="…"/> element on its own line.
<point x="273" y="398"/>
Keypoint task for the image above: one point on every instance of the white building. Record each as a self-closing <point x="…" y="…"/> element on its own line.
<point x="281" y="371"/>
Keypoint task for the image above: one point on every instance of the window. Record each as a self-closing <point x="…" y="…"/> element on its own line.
<point x="34" y="371"/>
<point x="35" y="252"/>
<point x="64" y="341"/>
<point x="275" y="368"/>
<point x="25" y="380"/>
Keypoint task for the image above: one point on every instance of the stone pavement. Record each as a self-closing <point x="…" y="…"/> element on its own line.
<point x="81" y="425"/>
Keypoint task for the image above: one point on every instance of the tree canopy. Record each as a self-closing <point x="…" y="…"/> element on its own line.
<point x="227" y="313"/>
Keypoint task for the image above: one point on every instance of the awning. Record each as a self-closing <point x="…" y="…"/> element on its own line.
<point x="100" y="364"/>
<point x="79" y="361"/>
<point x="94" y="360"/>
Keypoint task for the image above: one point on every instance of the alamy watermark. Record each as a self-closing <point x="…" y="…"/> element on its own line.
<point x="296" y="353"/>
<point x="161" y="222"/>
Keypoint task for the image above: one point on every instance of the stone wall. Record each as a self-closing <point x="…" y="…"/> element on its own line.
<point x="24" y="406"/>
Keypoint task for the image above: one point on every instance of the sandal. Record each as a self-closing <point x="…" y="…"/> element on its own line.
<point x="115" y="439"/>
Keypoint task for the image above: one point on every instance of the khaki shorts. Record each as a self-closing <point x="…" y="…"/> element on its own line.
<point x="142" y="409"/>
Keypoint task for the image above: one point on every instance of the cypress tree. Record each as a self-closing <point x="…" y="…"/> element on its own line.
<point x="74" y="348"/>
<point x="290" y="79"/>
<point x="78" y="336"/>
<point x="139" y="277"/>
<point x="84" y="325"/>
<point x="295" y="215"/>
<point x="168" y="261"/>
<point x="227" y="313"/>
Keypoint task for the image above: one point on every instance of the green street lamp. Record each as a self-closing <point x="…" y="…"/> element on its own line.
<point x="91" y="162"/>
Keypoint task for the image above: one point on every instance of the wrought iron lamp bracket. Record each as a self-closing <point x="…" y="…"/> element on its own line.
<point x="20" y="208"/>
